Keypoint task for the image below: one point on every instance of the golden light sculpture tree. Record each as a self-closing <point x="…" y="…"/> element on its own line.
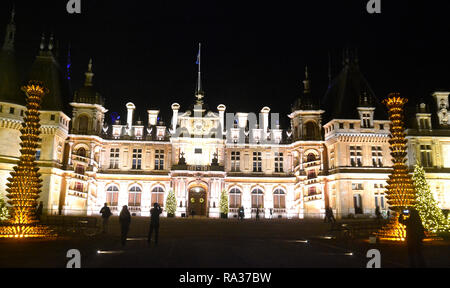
<point x="25" y="184"/>
<point x="400" y="189"/>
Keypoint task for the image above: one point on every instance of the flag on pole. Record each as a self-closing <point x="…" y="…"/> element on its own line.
<point x="198" y="54"/>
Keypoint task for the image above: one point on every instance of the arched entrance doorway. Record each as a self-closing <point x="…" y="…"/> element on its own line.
<point x="197" y="201"/>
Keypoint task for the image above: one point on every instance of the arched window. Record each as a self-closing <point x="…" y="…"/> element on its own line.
<point x="235" y="198"/>
<point x="112" y="195"/>
<point x="134" y="196"/>
<point x="279" y="199"/>
<point x="83" y="124"/>
<point x="81" y="152"/>
<point x="311" y="157"/>
<point x="158" y="195"/>
<point x="257" y="198"/>
<point x="311" y="129"/>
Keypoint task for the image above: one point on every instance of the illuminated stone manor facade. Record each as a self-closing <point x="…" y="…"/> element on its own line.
<point x="333" y="155"/>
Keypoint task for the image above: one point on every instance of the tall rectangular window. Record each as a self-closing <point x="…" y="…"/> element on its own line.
<point x="235" y="161"/>
<point x="278" y="162"/>
<point x="425" y="155"/>
<point x="114" y="158"/>
<point x="159" y="159"/>
<point x="137" y="159"/>
<point x="356" y="156"/>
<point x="377" y="156"/>
<point x="379" y="200"/>
<point x="257" y="162"/>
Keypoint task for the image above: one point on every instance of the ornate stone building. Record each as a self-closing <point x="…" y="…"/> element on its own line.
<point x="334" y="155"/>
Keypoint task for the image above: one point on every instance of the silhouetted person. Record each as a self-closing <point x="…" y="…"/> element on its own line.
<point x="378" y="214"/>
<point x="106" y="213"/>
<point x="154" y="222"/>
<point x="192" y="213"/>
<point x="39" y="210"/>
<point x="124" y="220"/>
<point x="271" y="213"/>
<point x="241" y="213"/>
<point x="327" y="215"/>
<point x="257" y="213"/>
<point x="415" y="233"/>
<point x="331" y="215"/>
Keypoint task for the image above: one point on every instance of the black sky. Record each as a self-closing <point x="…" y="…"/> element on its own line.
<point x="253" y="52"/>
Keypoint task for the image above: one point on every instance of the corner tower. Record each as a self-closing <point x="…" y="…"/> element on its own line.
<point x="88" y="107"/>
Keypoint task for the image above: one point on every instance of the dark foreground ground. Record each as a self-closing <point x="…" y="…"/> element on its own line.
<point x="215" y="243"/>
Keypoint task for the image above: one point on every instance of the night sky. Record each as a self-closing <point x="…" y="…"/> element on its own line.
<point x="253" y="53"/>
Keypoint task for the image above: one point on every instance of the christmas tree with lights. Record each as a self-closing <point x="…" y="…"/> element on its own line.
<point x="4" y="213"/>
<point x="25" y="184"/>
<point x="223" y="203"/>
<point x="171" y="204"/>
<point x="432" y="217"/>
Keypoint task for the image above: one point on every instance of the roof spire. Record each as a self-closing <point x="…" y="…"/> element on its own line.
<point x="13" y="14"/>
<point x="199" y="93"/>
<point x="306" y="86"/>
<point x="42" y="45"/>
<point x="8" y="44"/>
<point x="50" y="43"/>
<point x="89" y="74"/>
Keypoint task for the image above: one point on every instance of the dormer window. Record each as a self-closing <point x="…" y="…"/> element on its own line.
<point x="366" y="120"/>
<point x="352" y="126"/>
<point x="424" y="123"/>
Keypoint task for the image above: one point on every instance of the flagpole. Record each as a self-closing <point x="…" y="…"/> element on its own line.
<point x="199" y="70"/>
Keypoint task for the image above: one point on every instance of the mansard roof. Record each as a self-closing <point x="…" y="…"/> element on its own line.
<point x="350" y="90"/>
<point x="46" y="69"/>
<point x="9" y="79"/>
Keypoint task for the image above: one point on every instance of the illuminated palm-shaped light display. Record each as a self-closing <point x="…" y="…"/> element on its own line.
<point x="400" y="192"/>
<point x="25" y="184"/>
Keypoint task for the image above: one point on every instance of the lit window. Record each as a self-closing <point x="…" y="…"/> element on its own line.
<point x="257" y="198"/>
<point x="235" y="198"/>
<point x="278" y="162"/>
<point x="158" y="196"/>
<point x="137" y="159"/>
<point x="235" y="161"/>
<point x="279" y="199"/>
<point x="257" y="162"/>
<point x="159" y="159"/>
<point x="112" y="195"/>
<point x="114" y="158"/>
<point x="134" y="196"/>
<point x="425" y="154"/>
<point x="357" y="186"/>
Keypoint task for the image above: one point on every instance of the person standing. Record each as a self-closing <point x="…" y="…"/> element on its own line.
<point x="415" y="233"/>
<point x="154" y="222"/>
<point x="257" y="213"/>
<point x="106" y="213"/>
<point x="241" y="213"/>
<point x="327" y="215"/>
<point x="331" y="215"/>
<point x="39" y="210"/>
<point x="124" y="220"/>
<point x="378" y="214"/>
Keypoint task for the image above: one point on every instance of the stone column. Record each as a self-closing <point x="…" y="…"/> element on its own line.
<point x="69" y="162"/>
